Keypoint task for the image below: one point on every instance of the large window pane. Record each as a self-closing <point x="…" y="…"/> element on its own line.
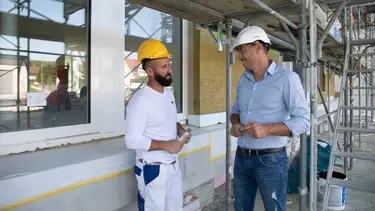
<point x="143" y="23"/>
<point x="44" y="72"/>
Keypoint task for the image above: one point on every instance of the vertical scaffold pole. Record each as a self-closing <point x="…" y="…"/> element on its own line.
<point x="228" y="162"/>
<point x="351" y="100"/>
<point x="303" y="73"/>
<point x="313" y="90"/>
<point x="344" y="77"/>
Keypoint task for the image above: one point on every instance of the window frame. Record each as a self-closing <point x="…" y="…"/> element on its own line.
<point x="182" y="116"/>
<point x="88" y="17"/>
<point x="105" y="56"/>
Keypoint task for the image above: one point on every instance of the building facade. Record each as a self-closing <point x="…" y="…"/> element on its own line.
<point x="67" y="72"/>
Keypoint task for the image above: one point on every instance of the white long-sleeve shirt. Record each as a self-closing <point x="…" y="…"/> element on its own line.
<point x="151" y="115"/>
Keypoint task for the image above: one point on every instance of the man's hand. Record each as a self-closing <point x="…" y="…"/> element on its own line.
<point x="256" y="130"/>
<point x="185" y="135"/>
<point x="187" y="139"/>
<point x="174" y="146"/>
<point x="237" y="130"/>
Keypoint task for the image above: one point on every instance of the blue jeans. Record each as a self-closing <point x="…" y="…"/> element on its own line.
<point x="267" y="172"/>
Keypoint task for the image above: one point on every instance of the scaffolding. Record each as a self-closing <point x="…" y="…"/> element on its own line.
<point x="20" y="60"/>
<point x="165" y="29"/>
<point x="359" y="75"/>
<point x="328" y="55"/>
<point x="358" y="47"/>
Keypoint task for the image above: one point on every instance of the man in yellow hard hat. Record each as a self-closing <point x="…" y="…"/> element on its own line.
<point x="152" y="129"/>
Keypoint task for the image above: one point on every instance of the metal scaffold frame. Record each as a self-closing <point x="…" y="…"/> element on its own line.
<point x="20" y="60"/>
<point x="354" y="43"/>
<point x="311" y="60"/>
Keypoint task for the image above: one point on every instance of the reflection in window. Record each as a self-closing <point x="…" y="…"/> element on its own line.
<point x="43" y="64"/>
<point x="143" y="23"/>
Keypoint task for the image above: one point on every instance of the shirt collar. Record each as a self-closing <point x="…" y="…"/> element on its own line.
<point x="270" y="71"/>
<point x="272" y="68"/>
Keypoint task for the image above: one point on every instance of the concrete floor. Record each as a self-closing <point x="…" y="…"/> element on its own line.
<point x="356" y="200"/>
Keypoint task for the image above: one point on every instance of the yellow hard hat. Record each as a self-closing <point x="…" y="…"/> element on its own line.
<point x="152" y="49"/>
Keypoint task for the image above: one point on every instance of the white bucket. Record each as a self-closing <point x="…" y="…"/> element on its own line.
<point x="337" y="194"/>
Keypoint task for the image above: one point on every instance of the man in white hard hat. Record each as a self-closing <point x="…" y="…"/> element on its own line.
<point x="269" y="108"/>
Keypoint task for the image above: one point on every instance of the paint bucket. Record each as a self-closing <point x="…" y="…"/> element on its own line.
<point x="337" y="194"/>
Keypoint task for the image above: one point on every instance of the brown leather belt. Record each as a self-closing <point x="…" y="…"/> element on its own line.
<point x="156" y="163"/>
<point x="249" y="152"/>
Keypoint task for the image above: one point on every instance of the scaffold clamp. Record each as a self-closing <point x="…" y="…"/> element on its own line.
<point x="302" y="191"/>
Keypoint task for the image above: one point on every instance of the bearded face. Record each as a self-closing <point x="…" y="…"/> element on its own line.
<point x="165" y="80"/>
<point x="160" y="70"/>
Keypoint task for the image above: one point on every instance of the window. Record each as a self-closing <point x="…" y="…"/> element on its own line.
<point x="44" y="64"/>
<point x="143" y="23"/>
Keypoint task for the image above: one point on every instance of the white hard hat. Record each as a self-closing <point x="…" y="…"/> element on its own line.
<point x="250" y="35"/>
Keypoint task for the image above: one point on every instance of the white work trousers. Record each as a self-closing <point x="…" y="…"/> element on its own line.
<point x="159" y="187"/>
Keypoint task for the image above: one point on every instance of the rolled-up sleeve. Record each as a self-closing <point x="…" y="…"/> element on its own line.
<point x="235" y="109"/>
<point x="295" y="100"/>
<point x="137" y="111"/>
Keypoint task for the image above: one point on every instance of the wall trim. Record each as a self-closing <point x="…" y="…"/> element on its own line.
<point x="207" y="119"/>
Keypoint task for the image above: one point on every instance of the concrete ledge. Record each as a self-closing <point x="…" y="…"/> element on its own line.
<point x="73" y="174"/>
<point x="76" y="177"/>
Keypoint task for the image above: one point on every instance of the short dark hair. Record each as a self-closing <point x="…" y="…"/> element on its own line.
<point x="266" y="46"/>
<point x="145" y="63"/>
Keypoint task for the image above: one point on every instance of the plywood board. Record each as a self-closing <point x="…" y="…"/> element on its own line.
<point x="210" y="66"/>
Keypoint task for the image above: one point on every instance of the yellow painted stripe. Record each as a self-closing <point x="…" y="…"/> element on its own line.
<point x="194" y="150"/>
<point x="63" y="189"/>
<point x="210" y="142"/>
<point x="79" y="185"/>
<point x="221" y="156"/>
<point x="99" y="179"/>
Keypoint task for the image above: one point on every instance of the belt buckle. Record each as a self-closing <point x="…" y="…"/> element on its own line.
<point x="156" y="163"/>
<point x="147" y="163"/>
<point x="247" y="152"/>
<point x="244" y="151"/>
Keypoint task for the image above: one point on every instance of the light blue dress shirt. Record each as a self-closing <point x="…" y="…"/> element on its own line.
<point x="277" y="97"/>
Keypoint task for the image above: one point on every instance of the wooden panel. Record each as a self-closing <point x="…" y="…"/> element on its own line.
<point x="323" y="81"/>
<point x="210" y="75"/>
<point x="196" y="74"/>
<point x="332" y="85"/>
